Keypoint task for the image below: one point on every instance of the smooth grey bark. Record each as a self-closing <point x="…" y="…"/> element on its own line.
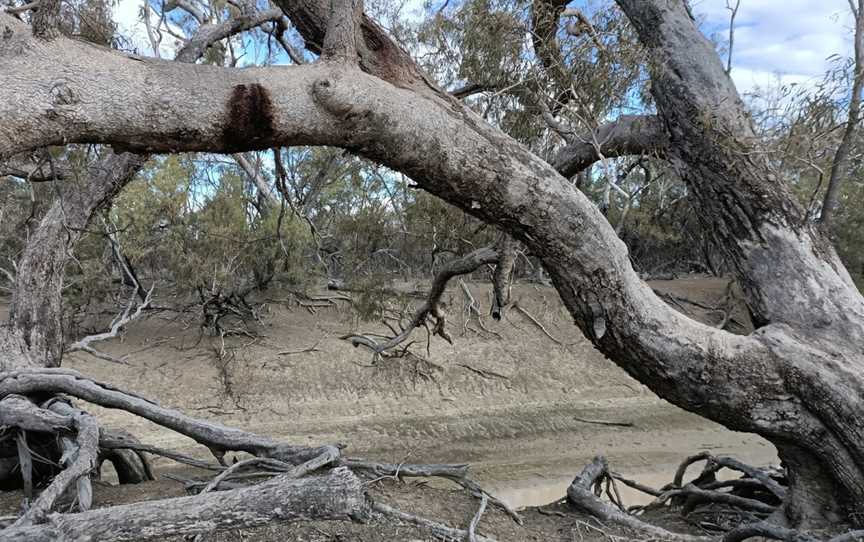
<point x="797" y="380"/>
<point x="626" y="135"/>
<point x="36" y="314"/>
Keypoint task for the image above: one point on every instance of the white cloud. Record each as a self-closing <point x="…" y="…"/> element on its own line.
<point x="786" y="39"/>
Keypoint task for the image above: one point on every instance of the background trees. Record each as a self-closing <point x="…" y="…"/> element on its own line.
<point x="693" y="151"/>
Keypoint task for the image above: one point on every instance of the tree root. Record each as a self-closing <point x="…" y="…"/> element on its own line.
<point x="583" y="493"/>
<point x="243" y="500"/>
<point x="757" y="493"/>
<point x="79" y="458"/>
<point x="218" y="438"/>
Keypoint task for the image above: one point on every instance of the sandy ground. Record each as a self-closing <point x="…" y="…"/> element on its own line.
<point x="512" y="402"/>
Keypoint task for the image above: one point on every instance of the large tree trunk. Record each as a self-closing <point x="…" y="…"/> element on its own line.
<point x="789" y="271"/>
<point x="798" y="380"/>
<point x="35" y="330"/>
<point x="337" y="495"/>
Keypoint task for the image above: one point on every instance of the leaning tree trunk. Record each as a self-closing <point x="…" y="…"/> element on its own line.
<point x="789" y="271"/>
<point x="35" y="331"/>
<point x="34" y="335"/>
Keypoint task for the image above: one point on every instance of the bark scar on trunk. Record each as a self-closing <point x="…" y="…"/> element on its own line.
<point x="249" y="120"/>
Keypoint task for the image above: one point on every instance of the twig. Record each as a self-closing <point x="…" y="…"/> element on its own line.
<point x="439" y="529"/>
<point x="472" y="527"/>
<point x="313" y="348"/>
<point x="112" y="444"/>
<point x="482" y="372"/>
<point x="535" y="322"/>
<point x="120" y="321"/>
<point x="601" y="422"/>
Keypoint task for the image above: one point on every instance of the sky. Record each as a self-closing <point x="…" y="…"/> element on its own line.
<point x="789" y="40"/>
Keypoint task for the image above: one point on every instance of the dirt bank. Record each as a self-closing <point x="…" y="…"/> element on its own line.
<point x="518" y="405"/>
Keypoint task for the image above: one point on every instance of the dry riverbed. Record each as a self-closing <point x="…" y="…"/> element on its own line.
<point x="526" y="410"/>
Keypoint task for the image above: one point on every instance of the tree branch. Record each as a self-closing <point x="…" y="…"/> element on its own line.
<point x="215" y="436"/>
<point x="46" y="19"/>
<point x="379" y="54"/>
<point x="120" y="321"/>
<point x="627" y="135"/>
<point x="209" y="34"/>
<point x="337" y="495"/>
<point x="340" y="41"/>
<point x="79" y="458"/>
<point x="459" y="266"/>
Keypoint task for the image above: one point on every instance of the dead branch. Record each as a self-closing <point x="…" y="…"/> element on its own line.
<point x="636" y="485"/>
<point x="483" y="372"/>
<point x="107" y="443"/>
<point x="216" y="437"/>
<point x="338" y="495"/>
<point x="119" y="322"/>
<point x="472" y="527"/>
<point x="536" y="322"/>
<point x="80" y="459"/>
<point x="695" y="495"/>
<point x="501" y="276"/>
<point x="460" y="266"/>
<point x="408" y="470"/>
<point x="330" y="454"/>
<point x="131" y="465"/>
<point x="601" y="422"/>
<point x="582" y="495"/>
<point x="18" y="411"/>
<point x="25" y="462"/>
<point x="455" y="473"/>
<point x="439" y="529"/>
<point x="313" y="348"/>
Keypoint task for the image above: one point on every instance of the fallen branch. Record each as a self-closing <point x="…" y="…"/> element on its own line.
<point x="313" y="348"/>
<point x="455" y="473"/>
<point x="439" y="529"/>
<point x="218" y="438"/>
<point x="482" y="372"/>
<point x="114" y="444"/>
<point x="472" y="527"/>
<point x="330" y="454"/>
<point x="695" y="495"/>
<point x="337" y="495"/>
<point x="580" y="493"/>
<point x="601" y="422"/>
<point x="535" y="322"/>
<point x="430" y="307"/>
<point x="18" y="411"/>
<point x="80" y="460"/>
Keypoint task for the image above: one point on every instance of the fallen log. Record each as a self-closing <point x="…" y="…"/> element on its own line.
<point x="338" y="495"/>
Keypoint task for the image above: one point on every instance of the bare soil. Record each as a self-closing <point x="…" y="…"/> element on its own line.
<point x="517" y="405"/>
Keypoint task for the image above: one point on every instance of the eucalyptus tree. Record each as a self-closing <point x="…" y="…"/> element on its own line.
<point x="798" y="380"/>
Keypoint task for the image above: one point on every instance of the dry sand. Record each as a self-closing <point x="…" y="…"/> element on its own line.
<point x="511" y="402"/>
